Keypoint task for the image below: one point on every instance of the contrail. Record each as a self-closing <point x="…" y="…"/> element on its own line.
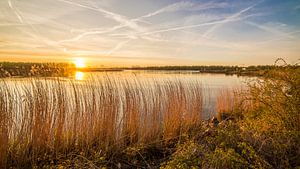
<point x="279" y="38"/>
<point x="118" y="46"/>
<point x="169" y="8"/>
<point x="228" y="19"/>
<point x="172" y="29"/>
<point x="78" y="37"/>
<point x="119" y="18"/>
<point x="15" y="11"/>
<point x="35" y="33"/>
<point x="182" y="5"/>
<point x="126" y="22"/>
<point x="187" y="26"/>
<point x="195" y="25"/>
<point x="268" y="29"/>
<point x="18" y="14"/>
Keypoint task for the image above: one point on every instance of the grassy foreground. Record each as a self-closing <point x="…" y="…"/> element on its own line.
<point x="160" y="127"/>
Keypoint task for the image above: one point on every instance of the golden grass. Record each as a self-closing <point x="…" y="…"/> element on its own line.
<point x="232" y="102"/>
<point x="52" y="117"/>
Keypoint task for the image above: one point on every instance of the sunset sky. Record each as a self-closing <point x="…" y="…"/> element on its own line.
<point x="150" y="32"/>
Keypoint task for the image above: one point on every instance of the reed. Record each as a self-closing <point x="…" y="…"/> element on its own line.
<point x="44" y="119"/>
<point x="233" y="103"/>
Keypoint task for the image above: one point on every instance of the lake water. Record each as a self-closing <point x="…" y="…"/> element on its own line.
<point x="212" y="84"/>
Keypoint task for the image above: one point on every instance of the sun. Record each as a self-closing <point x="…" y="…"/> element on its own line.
<point x="79" y="63"/>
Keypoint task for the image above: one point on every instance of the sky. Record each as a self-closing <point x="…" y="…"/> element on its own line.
<point x="150" y="32"/>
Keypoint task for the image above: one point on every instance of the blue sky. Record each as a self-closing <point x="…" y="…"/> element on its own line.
<point x="150" y="32"/>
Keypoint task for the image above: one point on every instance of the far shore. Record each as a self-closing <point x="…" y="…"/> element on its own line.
<point x="22" y="69"/>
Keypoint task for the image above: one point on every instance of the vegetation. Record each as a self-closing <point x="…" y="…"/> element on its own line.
<point x="64" y="123"/>
<point x="117" y="123"/>
<point x="259" y="130"/>
<point x="20" y="69"/>
<point x="257" y="71"/>
<point x="229" y="70"/>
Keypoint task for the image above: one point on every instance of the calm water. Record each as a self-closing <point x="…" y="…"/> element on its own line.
<point x="212" y="84"/>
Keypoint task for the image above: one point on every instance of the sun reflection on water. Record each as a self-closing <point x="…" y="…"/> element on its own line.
<point x="79" y="75"/>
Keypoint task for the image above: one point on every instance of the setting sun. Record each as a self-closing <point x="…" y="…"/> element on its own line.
<point x="79" y="63"/>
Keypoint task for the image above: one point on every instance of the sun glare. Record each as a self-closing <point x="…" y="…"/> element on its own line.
<point x="79" y="63"/>
<point x="79" y="76"/>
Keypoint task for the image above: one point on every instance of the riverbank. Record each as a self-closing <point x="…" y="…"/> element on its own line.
<point x="26" y="69"/>
<point x="23" y="69"/>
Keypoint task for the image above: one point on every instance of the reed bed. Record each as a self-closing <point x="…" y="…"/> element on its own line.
<point x="231" y="101"/>
<point x="50" y="117"/>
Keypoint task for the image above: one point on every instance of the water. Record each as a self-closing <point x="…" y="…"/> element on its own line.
<point x="212" y="84"/>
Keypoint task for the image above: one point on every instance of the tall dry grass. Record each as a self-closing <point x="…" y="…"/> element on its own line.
<point x="42" y="119"/>
<point x="230" y="103"/>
